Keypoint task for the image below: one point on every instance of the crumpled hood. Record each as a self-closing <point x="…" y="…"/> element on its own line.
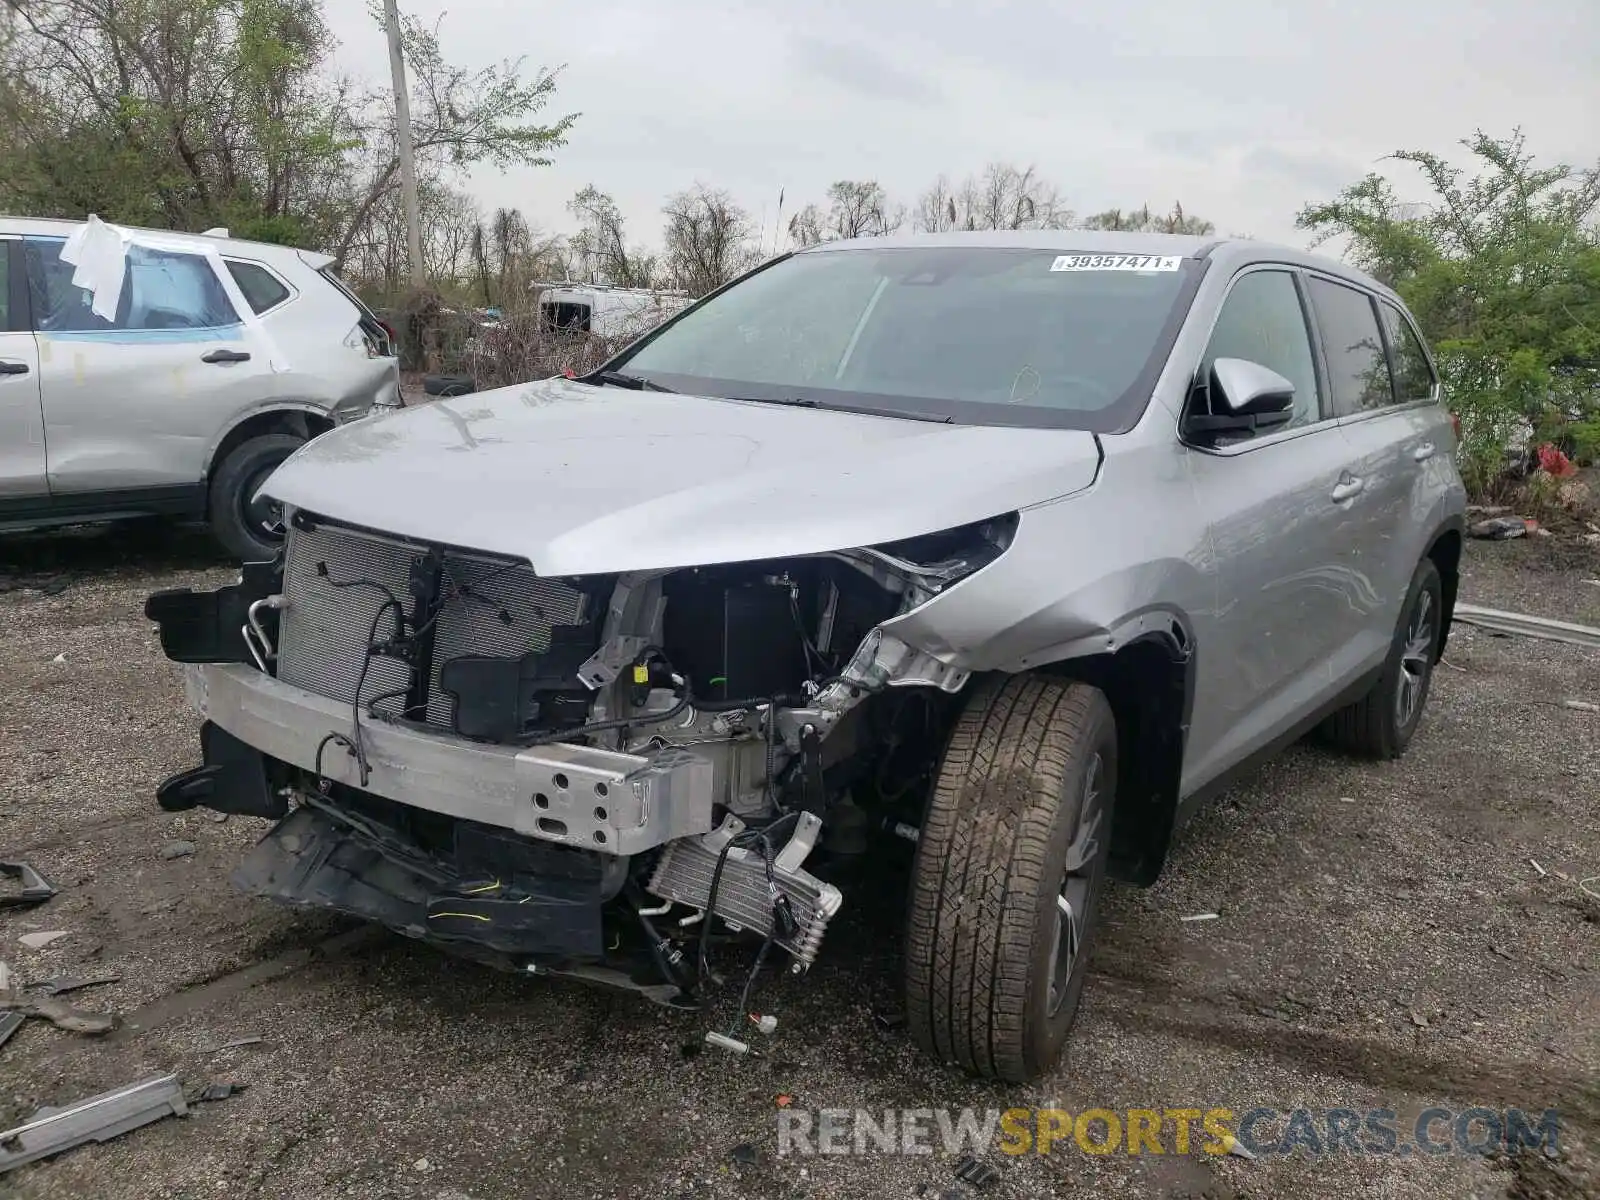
<point x="584" y="480"/>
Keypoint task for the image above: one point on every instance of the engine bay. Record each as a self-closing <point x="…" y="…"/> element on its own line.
<point x="686" y="751"/>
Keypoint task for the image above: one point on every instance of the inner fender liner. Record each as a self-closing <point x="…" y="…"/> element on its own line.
<point x="548" y="903"/>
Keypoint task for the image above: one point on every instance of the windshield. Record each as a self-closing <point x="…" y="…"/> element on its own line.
<point x="977" y="335"/>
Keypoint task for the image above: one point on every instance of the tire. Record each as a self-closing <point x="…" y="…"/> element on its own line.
<point x="1381" y="723"/>
<point x="235" y="523"/>
<point x="985" y="986"/>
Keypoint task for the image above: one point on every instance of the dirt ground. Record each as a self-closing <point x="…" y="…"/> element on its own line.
<point x="1383" y="941"/>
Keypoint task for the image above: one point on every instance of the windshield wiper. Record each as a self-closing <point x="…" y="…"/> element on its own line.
<point x="864" y="410"/>
<point x="617" y="379"/>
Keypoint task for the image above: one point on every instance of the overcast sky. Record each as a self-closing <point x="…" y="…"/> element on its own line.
<point x="1243" y="109"/>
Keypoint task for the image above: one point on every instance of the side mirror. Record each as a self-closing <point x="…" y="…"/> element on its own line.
<point x="1245" y="398"/>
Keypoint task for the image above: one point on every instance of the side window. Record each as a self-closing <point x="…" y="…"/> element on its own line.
<point x="58" y="307"/>
<point x="1358" y="370"/>
<point x="262" y="289"/>
<point x="1413" y="377"/>
<point x="161" y="289"/>
<point x="1261" y="320"/>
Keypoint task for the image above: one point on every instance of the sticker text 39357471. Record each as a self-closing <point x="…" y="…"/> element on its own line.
<point x="1117" y="262"/>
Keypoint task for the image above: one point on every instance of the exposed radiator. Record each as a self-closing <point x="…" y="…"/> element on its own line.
<point x="335" y="581"/>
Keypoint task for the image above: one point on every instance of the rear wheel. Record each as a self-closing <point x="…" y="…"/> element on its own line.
<point x="1382" y="723"/>
<point x="1010" y="866"/>
<point x="249" y="528"/>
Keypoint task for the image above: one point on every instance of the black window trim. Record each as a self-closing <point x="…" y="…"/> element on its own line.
<point x="1120" y="416"/>
<point x="1327" y="418"/>
<point x="292" y="292"/>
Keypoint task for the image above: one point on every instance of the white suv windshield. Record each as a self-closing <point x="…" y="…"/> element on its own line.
<point x="975" y="335"/>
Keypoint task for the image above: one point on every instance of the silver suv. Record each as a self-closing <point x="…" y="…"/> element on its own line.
<point x="200" y="366"/>
<point x="1014" y="547"/>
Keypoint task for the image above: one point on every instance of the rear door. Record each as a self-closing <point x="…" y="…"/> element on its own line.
<point x="1392" y="439"/>
<point x="22" y="458"/>
<point x="1281" y="621"/>
<point x="135" y="402"/>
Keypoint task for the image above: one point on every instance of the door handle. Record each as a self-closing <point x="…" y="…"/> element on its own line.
<point x="13" y="368"/>
<point x="1423" y="452"/>
<point x="1347" y="488"/>
<point x="225" y="356"/>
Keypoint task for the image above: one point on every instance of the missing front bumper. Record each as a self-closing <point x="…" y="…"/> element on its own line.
<point x="483" y="890"/>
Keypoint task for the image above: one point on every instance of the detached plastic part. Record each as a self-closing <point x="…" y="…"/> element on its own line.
<point x="97" y="1119"/>
<point x="35" y="889"/>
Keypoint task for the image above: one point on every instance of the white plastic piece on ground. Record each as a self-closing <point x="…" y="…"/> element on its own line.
<point x="38" y="941"/>
<point x="1205" y="916"/>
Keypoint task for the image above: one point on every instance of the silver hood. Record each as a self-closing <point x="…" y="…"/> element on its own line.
<point x="583" y="480"/>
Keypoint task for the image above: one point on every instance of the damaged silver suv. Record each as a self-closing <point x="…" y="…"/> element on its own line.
<point x="1014" y="546"/>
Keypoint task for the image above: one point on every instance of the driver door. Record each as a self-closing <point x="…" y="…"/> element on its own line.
<point x="1283" y="613"/>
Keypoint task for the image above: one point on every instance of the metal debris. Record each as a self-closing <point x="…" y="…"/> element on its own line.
<point x="1205" y="916"/>
<point x="9" y="1023"/>
<point x="59" y="1013"/>
<point x="97" y="1119"/>
<point x="978" y="1174"/>
<point x="253" y="1040"/>
<point x="70" y="983"/>
<point x="1522" y="625"/>
<point x="34" y="888"/>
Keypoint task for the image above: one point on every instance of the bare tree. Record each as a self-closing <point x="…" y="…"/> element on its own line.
<point x="936" y="209"/>
<point x="600" y="247"/>
<point x="707" y="239"/>
<point x="861" y="208"/>
<point x="1003" y="196"/>
<point x="1142" y="220"/>
<point x="805" y="227"/>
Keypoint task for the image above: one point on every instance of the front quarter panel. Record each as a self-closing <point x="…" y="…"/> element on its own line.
<point x="1086" y="574"/>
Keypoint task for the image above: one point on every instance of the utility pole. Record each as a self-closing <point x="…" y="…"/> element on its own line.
<point x="402" y="120"/>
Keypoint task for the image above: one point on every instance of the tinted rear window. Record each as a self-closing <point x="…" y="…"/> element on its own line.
<point x="982" y="335"/>
<point x="260" y="286"/>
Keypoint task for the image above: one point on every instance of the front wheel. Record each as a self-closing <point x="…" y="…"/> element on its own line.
<point x="1382" y="723"/>
<point x="248" y="528"/>
<point x="1010" y="865"/>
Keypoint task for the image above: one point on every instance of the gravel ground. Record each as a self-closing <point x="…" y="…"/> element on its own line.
<point x="1382" y="942"/>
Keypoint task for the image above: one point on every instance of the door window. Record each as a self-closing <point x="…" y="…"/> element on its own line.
<point x="1413" y="377"/>
<point x="1358" y="370"/>
<point x="1262" y="321"/>
<point x="161" y="289"/>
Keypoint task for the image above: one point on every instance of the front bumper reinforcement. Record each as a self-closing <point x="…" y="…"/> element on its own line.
<point x="602" y="800"/>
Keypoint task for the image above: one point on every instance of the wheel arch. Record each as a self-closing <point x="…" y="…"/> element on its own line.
<point x="301" y="420"/>
<point x="1149" y="680"/>
<point x="1444" y="548"/>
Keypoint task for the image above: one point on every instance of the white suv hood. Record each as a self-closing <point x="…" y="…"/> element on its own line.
<point x="584" y="480"/>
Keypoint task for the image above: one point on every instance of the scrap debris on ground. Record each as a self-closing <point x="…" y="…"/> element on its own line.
<point x="1381" y="941"/>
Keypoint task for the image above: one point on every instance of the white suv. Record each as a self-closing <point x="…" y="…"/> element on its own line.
<point x="177" y="389"/>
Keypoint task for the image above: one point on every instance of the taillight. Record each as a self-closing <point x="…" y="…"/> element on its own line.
<point x="388" y="329"/>
<point x="1455" y="423"/>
